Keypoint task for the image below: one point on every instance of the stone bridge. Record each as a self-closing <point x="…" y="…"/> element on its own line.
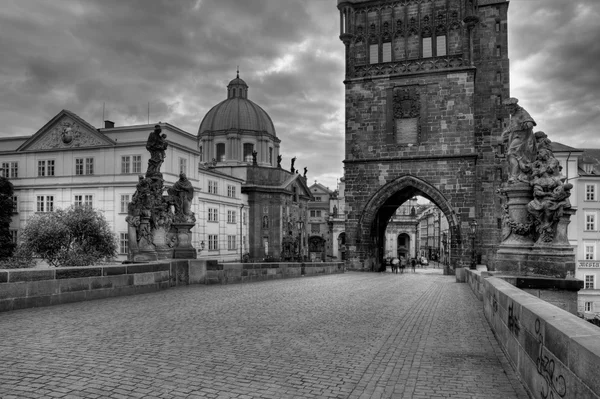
<point x="323" y="333"/>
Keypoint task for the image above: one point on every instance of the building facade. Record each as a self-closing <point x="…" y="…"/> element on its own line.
<point x="70" y="162"/>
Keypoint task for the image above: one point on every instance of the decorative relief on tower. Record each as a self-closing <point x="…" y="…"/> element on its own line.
<point x="406" y="110"/>
<point x="66" y="134"/>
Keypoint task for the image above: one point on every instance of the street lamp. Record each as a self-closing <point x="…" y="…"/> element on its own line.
<point x="473" y="226"/>
<point x="300" y="228"/>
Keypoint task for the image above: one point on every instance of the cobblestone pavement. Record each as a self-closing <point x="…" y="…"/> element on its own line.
<point x="355" y="335"/>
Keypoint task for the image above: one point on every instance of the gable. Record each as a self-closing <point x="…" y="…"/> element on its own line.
<point x="65" y="131"/>
<point x="302" y="189"/>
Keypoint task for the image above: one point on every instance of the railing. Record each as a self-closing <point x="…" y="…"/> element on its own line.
<point x="588" y="264"/>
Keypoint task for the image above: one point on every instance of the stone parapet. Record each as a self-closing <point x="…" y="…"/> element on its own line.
<point x="555" y="353"/>
<point x="25" y="288"/>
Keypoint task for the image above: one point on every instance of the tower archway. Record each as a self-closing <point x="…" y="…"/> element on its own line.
<point x="375" y="215"/>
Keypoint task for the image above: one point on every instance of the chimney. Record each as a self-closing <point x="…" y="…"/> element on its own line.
<point x="109" y="124"/>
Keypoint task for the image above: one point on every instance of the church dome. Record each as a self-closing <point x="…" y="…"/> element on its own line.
<point x="237" y="112"/>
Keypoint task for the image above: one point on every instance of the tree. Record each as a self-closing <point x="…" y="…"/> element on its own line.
<point x="7" y="246"/>
<point x="76" y="236"/>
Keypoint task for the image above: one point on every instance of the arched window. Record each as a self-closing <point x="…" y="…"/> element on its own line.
<point x="271" y="156"/>
<point x="248" y="149"/>
<point x="265" y="223"/>
<point x="201" y="155"/>
<point x="221" y="152"/>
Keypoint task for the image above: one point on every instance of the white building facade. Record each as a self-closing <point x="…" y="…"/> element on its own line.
<point x="70" y="162"/>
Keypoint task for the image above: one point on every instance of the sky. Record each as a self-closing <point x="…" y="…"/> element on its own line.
<point x="179" y="55"/>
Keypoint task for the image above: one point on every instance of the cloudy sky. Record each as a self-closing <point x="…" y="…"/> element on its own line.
<point x="179" y="56"/>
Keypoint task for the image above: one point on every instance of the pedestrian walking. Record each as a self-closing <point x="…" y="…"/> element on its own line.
<point x="395" y="265"/>
<point x="413" y="264"/>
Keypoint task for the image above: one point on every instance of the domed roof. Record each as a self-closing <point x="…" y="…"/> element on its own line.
<point x="237" y="112"/>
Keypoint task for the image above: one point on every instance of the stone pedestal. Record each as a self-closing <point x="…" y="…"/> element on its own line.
<point x="519" y="254"/>
<point x="146" y="251"/>
<point x="184" y="249"/>
<point x="163" y="251"/>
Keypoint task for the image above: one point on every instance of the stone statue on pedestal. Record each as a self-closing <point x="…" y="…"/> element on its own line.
<point x="536" y="207"/>
<point x="157" y="145"/>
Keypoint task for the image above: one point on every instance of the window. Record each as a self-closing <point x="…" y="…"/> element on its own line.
<point x="45" y="203"/>
<point x="244" y="217"/>
<point x="440" y="46"/>
<point x="125" y="164"/>
<point x="221" y="152"/>
<point x="231" y="242"/>
<point x="318" y="199"/>
<point x="231" y="217"/>
<point x="497" y="26"/>
<point x="79" y="166"/>
<point x="46" y="168"/>
<point x="125" y="200"/>
<point x="213" y="242"/>
<point x="248" y="148"/>
<point x="314" y="213"/>
<point x="89" y="166"/>
<point x="590" y="192"/>
<point x="271" y="156"/>
<point x="10" y="169"/>
<point x="123" y="243"/>
<point x="213" y="187"/>
<point x="590" y="251"/>
<point x="427" y="50"/>
<point x="15" y="204"/>
<point x="14" y="236"/>
<point x="201" y="159"/>
<point x="231" y="191"/>
<point x="182" y="165"/>
<point x="590" y="221"/>
<point x="498" y="51"/>
<point x="499" y="77"/>
<point x="136" y="164"/>
<point x="589" y="282"/>
<point x="295" y="194"/>
<point x="213" y="215"/>
<point x="373" y="54"/>
<point x="587" y="307"/>
<point x="84" y="200"/>
<point x="386" y="53"/>
<point x="131" y="164"/>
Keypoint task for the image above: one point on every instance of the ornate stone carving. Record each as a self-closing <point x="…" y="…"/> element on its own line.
<point x="406" y="103"/>
<point x="66" y="134"/>
<point x="410" y="66"/>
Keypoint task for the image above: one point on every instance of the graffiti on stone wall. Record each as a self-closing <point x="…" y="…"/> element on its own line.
<point x="513" y="321"/>
<point x="554" y="385"/>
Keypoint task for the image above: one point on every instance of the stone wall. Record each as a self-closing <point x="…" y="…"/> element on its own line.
<point x="25" y="288"/>
<point x="555" y="353"/>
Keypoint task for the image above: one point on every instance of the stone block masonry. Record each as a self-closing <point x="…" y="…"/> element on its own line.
<point x="25" y="288"/>
<point x="555" y="353"/>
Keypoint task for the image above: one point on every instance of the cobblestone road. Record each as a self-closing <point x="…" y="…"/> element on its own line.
<point x="357" y="335"/>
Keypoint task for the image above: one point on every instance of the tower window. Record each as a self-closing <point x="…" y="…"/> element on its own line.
<point x="373" y="54"/>
<point x="387" y="52"/>
<point x="440" y="46"/>
<point x="248" y="149"/>
<point x="498" y="51"/>
<point x="221" y="152"/>
<point x="427" y="50"/>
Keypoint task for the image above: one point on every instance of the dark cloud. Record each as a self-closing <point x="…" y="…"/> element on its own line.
<point x="178" y="56"/>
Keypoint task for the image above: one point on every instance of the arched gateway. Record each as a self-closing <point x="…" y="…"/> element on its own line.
<point x="381" y="206"/>
<point x="424" y="86"/>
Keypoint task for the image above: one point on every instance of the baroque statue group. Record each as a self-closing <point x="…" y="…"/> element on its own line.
<point x="533" y="174"/>
<point x="159" y="225"/>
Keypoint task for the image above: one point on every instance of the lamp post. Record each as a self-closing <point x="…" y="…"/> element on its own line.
<point x="300" y="246"/>
<point x="473" y="226"/>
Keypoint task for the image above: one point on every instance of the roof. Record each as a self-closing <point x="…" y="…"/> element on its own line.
<point x="237" y="112"/>
<point x="557" y="147"/>
<point x="590" y="157"/>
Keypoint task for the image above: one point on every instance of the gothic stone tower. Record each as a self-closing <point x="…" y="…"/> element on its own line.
<point x="424" y="84"/>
